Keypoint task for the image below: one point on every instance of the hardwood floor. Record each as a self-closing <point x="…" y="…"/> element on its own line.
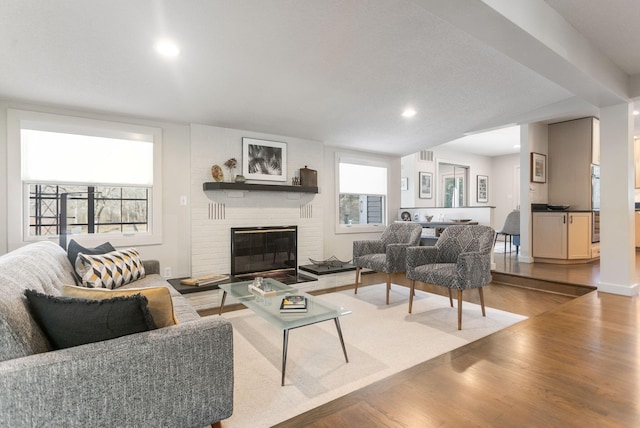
<point x="574" y="362"/>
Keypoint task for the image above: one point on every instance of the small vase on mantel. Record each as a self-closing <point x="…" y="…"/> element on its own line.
<point x="231" y="178"/>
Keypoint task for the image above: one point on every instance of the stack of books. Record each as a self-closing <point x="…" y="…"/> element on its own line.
<point x="198" y="281"/>
<point x="294" y="303"/>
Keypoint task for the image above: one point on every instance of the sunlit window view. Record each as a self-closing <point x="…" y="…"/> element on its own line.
<point x="86" y="184"/>
<point x="87" y="209"/>
<point x="453" y="185"/>
<point x="362" y="197"/>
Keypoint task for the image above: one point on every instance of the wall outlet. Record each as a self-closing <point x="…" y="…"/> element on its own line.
<point x="183" y="201"/>
<point x="167" y="272"/>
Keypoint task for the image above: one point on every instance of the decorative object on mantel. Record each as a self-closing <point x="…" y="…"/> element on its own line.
<point x="216" y="173"/>
<point x="332" y="261"/>
<point x="308" y="177"/>
<point x="240" y="178"/>
<point x="295" y="181"/>
<point x="264" y="160"/>
<point x="231" y="164"/>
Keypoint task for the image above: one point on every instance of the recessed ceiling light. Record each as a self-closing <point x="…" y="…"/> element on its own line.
<point x="409" y="113"/>
<point x="167" y="48"/>
<point x="516" y="146"/>
<point x="636" y="112"/>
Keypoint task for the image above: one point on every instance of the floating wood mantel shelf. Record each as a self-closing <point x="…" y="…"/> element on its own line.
<point x="214" y="185"/>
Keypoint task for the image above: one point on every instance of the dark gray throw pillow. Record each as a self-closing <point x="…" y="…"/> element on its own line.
<point x="70" y="321"/>
<point x="74" y="248"/>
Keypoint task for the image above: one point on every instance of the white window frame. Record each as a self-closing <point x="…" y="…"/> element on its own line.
<point x="18" y="194"/>
<point x="359" y="228"/>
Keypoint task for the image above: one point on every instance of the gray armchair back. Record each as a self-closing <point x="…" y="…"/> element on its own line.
<point x="386" y="254"/>
<point x="461" y="259"/>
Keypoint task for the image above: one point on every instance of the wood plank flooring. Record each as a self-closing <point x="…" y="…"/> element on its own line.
<point x="574" y="362"/>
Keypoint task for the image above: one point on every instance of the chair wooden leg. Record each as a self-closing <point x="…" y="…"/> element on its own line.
<point x="355" y="291"/>
<point x="482" y="301"/>
<point x="388" y="286"/>
<point x="413" y="291"/>
<point x="450" y="298"/>
<point x="459" y="309"/>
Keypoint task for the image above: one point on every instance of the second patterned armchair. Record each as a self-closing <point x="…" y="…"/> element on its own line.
<point x="386" y="254"/>
<point x="460" y="260"/>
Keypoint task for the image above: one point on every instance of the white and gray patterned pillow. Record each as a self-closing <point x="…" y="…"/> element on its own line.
<point x="111" y="270"/>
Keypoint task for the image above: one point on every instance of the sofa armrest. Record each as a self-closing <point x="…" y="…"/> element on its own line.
<point x="176" y="376"/>
<point x="151" y="267"/>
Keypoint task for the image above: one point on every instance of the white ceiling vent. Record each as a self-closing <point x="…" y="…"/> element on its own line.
<point x="426" y="155"/>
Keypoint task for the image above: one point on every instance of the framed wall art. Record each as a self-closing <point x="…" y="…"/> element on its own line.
<point x="264" y="160"/>
<point x="538" y="168"/>
<point x="482" y="188"/>
<point x="426" y="185"/>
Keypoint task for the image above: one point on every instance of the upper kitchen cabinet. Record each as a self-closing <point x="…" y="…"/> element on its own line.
<point x="573" y="146"/>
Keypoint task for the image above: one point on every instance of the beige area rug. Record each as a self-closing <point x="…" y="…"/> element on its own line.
<point x="381" y="340"/>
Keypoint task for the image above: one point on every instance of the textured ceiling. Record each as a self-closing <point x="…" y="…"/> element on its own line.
<point x="332" y="71"/>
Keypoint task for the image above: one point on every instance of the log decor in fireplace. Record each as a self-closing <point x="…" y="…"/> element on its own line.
<point x="266" y="251"/>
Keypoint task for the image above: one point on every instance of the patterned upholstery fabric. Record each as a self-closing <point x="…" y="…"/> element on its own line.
<point x="388" y="253"/>
<point x="110" y="270"/>
<point x="461" y="258"/>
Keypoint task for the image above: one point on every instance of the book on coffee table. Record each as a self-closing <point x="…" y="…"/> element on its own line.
<point x="293" y="303"/>
<point x="209" y="279"/>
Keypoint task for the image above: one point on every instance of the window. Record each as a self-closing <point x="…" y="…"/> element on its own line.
<point x="84" y="178"/>
<point x="362" y="191"/>
<point x="87" y="209"/>
<point x="453" y="180"/>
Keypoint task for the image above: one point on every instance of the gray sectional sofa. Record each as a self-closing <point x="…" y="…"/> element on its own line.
<point x="177" y="376"/>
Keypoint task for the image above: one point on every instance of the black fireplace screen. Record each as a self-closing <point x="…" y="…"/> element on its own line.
<point x="264" y="251"/>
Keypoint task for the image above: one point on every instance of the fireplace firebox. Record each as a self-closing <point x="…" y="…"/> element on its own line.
<point x="266" y="251"/>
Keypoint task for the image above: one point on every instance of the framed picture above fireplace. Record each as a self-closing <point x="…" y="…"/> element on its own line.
<point x="264" y="160"/>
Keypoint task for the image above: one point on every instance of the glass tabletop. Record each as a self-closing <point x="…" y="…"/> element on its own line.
<point x="269" y="307"/>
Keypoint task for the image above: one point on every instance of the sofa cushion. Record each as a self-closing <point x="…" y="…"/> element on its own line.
<point x="73" y="249"/>
<point x="112" y="270"/>
<point x="69" y="321"/>
<point x="160" y="304"/>
<point x="41" y="266"/>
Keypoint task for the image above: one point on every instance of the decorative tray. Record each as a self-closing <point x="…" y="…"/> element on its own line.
<point x="330" y="262"/>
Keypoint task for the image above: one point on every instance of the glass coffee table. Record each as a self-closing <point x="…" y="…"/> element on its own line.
<point x="268" y="307"/>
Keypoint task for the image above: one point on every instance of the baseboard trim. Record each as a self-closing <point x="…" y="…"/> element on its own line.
<point x="621" y="290"/>
<point x="565" y="289"/>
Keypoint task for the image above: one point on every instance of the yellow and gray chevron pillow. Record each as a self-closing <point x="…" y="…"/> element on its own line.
<point x="110" y="270"/>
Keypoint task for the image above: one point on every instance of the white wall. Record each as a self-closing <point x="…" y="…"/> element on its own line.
<point x="214" y="213"/>
<point x="189" y="151"/>
<point x="341" y="245"/>
<point x="503" y="188"/>
<point x="411" y="164"/>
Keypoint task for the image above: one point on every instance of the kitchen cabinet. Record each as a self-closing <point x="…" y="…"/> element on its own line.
<point x="562" y="235"/>
<point x="573" y="146"/>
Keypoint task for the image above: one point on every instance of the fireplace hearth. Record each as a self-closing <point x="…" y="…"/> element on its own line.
<point x="270" y="251"/>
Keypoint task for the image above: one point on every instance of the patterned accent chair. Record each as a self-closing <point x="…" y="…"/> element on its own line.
<point x="461" y="259"/>
<point x="386" y="254"/>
